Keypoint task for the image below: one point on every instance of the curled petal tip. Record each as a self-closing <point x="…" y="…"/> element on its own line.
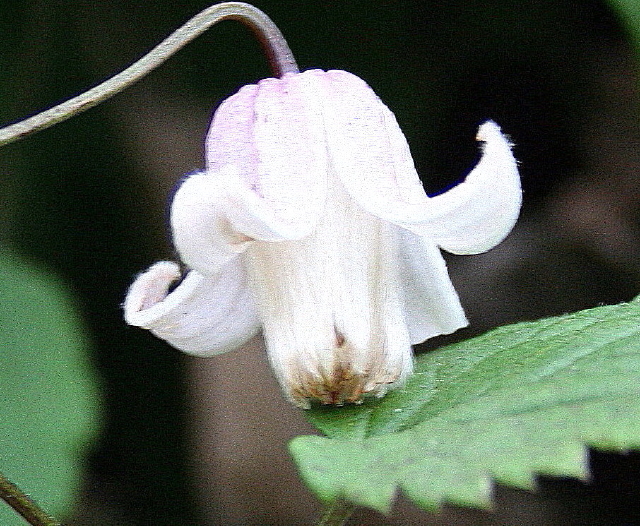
<point x="201" y="232"/>
<point x="201" y="316"/>
<point x="478" y="213"/>
<point x="148" y="290"/>
<point x="488" y="130"/>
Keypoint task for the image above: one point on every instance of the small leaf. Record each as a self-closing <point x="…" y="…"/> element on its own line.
<point x="49" y="405"/>
<point x="521" y="400"/>
<point x="629" y="12"/>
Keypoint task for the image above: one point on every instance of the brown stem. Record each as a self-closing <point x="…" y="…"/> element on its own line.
<point x="337" y="514"/>
<point x="23" y="505"/>
<point x="274" y="44"/>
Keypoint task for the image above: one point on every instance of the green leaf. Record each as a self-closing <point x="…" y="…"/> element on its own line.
<point x="629" y="11"/>
<point x="521" y="400"/>
<point x="49" y="409"/>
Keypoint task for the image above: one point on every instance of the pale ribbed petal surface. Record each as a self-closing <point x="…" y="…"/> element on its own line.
<point x="431" y="304"/>
<point x="477" y="214"/>
<point x="253" y="218"/>
<point x="203" y="316"/>
<point x="373" y="161"/>
<point x="369" y="151"/>
<point x="202" y="232"/>
<point x="332" y="307"/>
<point x="273" y="134"/>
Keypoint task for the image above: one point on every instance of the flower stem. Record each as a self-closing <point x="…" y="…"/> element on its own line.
<point x="337" y="514"/>
<point x="23" y="505"/>
<point x="273" y="43"/>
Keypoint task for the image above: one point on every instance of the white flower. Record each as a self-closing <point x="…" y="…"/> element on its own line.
<point x="311" y="223"/>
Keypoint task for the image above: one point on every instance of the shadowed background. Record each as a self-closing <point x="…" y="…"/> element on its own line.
<point x="202" y="442"/>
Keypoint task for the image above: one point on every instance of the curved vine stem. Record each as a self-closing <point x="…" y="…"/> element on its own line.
<point x="337" y="514"/>
<point x="270" y="37"/>
<point x="23" y="505"/>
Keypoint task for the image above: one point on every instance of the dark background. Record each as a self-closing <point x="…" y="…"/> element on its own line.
<point x="88" y="199"/>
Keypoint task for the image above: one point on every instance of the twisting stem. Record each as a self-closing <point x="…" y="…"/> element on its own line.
<point x="23" y="505"/>
<point x="274" y="44"/>
<point x="337" y="514"/>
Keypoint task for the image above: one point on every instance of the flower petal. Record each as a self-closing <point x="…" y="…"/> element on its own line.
<point x="431" y="304"/>
<point x="203" y="316"/>
<point x="477" y="214"/>
<point x="214" y="218"/>
<point x="272" y="133"/>
<point x="332" y="306"/>
<point x="372" y="158"/>
<point x="369" y="151"/>
<point x="255" y="218"/>
<point x="202" y="233"/>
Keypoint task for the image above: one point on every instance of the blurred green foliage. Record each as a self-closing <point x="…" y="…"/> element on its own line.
<point x="49" y="408"/>
<point x="630" y="15"/>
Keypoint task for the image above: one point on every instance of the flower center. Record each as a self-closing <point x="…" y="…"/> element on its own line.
<point x="330" y="305"/>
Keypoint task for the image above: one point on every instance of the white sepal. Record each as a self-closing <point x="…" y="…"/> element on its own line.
<point x="203" y="316"/>
<point x="372" y="158"/>
<point x="202" y="233"/>
<point x="431" y="304"/>
<point x="272" y="134"/>
<point x="478" y="213"/>
<point x="369" y="151"/>
<point x="331" y="305"/>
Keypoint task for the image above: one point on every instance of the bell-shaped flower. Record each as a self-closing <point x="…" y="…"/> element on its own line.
<point x="310" y="223"/>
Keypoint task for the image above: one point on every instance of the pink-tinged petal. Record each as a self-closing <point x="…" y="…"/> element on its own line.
<point x="203" y="316"/>
<point x="202" y="232"/>
<point x="431" y="304"/>
<point x="273" y="134"/>
<point x="214" y="218"/>
<point x="230" y="136"/>
<point x="372" y="159"/>
<point x="477" y="214"/>
<point x="368" y="150"/>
